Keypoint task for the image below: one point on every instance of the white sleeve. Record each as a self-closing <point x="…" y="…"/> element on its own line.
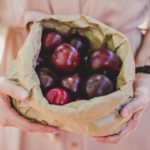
<point x="17" y="13"/>
<point x="12" y="12"/>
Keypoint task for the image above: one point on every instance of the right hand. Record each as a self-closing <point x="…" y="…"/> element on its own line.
<point x="8" y="115"/>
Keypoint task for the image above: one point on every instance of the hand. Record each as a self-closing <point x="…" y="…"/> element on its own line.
<point x="9" y="117"/>
<point x="135" y="108"/>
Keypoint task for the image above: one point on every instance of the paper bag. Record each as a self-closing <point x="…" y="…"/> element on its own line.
<point x="98" y="116"/>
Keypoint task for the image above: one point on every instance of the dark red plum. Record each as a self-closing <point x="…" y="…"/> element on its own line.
<point x="72" y="82"/>
<point x="58" y="96"/>
<point x="65" y="58"/>
<point x="51" y="40"/>
<point x="47" y="78"/>
<point x="97" y="85"/>
<point x="104" y="59"/>
<point x="80" y="43"/>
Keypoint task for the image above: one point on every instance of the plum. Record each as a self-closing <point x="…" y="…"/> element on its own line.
<point x="65" y="58"/>
<point x="104" y="59"/>
<point x="97" y="85"/>
<point x="58" y="96"/>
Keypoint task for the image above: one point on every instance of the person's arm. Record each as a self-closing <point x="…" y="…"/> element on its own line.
<point x="8" y="115"/>
<point x="141" y="95"/>
<point x="143" y="56"/>
<point x="12" y="15"/>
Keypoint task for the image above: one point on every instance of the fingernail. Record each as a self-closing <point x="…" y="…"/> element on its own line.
<point x="125" y="113"/>
<point x="23" y="94"/>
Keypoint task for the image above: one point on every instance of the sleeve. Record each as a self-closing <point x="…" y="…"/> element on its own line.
<point x="148" y="22"/>
<point x="36" y="9"/>
<point x="12" y="12"/>
<point x="17" y="13"/>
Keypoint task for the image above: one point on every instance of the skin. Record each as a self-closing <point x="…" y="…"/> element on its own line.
<point x="141" y="96"/>
<point x="8" y="114"/>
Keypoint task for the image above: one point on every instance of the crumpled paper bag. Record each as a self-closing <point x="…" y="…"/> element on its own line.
<point x="98" y="116"/>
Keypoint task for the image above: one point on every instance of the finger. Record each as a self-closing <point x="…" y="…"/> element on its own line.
<point x="8" y="88"/>
<point x="5" y="123"/>
<point x="133" y="106"/>
<point x="116" y="138"/>
<point x="24" y="124"/>
<point x="132" y="124"/>
<point x="138" y="114"/>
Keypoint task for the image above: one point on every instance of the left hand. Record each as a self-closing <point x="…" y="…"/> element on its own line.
<point x="135" y="108"/>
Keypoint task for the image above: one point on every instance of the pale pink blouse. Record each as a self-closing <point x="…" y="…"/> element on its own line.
<point x="123" y="15"/>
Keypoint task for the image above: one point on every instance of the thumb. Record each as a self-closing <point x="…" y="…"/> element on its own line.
<point x="133" y="106"/>
<point x="8" y="88"/>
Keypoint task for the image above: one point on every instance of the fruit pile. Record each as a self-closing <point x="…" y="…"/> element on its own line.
<point x="68" y="70"/>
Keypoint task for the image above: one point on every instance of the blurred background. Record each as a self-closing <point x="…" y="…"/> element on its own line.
<point x="3" y="32"/>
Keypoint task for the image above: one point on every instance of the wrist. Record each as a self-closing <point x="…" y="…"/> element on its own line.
<point x="142" y="80"/>
<point x="141" y="76"/>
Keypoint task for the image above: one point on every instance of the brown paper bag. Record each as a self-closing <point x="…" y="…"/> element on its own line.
<point x="96" y="117"/>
